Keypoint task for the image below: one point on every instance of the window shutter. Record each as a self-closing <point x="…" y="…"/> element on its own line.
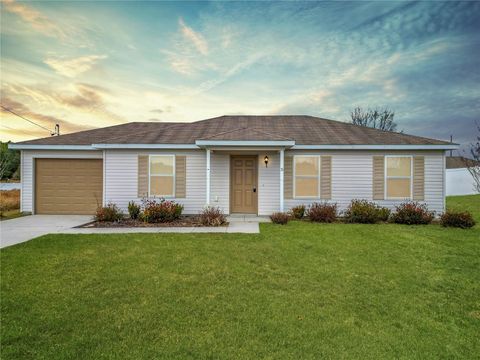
<point x="180" y="176"/>
<point x="142" y="176"/>
<point x="378" y="178"/>
<point x="419" y="178"/>
<point x="326" y="177"/>
<point x="288" y="177"/>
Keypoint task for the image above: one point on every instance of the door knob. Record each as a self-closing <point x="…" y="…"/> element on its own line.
<point x="254" y="189"/>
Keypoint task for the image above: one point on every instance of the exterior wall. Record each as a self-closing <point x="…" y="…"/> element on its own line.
<point x="460" y="182"/>
<point x="352" y="177"/>
<point x="121" y="178"/>
<point x="28" y="170"/>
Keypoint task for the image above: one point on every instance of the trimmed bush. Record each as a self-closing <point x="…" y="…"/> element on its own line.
<point x="133" y="210"/>
<point x="412" y="213"/>
<point x="365" y="212"/>
<point x="322" y="212"/>
<point x="109" y="213"/>
<point x="298" y="212"/>
<point x="280" y="218"/>
<point x="462" y="220"/>
<point x="155" y="211"/>
<point x="212" y="216"/>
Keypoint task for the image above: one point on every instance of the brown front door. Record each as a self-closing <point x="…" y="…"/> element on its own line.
<point x="243" y="184"/>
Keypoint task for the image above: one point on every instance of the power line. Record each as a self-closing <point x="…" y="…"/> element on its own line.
<point x="24" y="118"/>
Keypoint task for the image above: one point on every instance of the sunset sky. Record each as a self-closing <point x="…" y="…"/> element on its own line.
<point x="94" y="64"/>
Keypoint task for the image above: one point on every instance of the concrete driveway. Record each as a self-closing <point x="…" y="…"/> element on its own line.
<point x="25" y="228"/>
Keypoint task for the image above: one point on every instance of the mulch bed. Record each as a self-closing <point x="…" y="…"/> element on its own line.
<point x="184" y="221"/>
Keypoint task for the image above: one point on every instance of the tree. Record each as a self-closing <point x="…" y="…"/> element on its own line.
<point x="378" y="118"/>
<point x="9" y="161"/>
<point x="473" y="166"/>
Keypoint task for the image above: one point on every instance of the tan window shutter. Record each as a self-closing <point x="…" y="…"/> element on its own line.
<point x="180" y="176"/>
<point x="378" y="177"/>
<point x="419" y="178"/>
<point x="326" y="177"/>
<point x="288" y="177"/>
<point x="142" y="176"/>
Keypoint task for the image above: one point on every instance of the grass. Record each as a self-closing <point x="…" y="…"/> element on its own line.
<point x="296" y="291"/>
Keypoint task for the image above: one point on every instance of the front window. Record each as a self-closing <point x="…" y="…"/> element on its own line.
<point x="162" y="175"/>
<point x="307" y="176"/>
<point x="398" y="177"/>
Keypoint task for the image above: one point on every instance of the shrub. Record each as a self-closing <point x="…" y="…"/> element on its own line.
<point x="133" y="210"/>
<point x="111" y="212"/>
<point x="280" y="218"/>
<point x="9" y="200"/>
<point x="365" y="212"/>
<point x="462" y="220"/>
<point x="212" y="216"/>
<point x="383" y="213"/>
<point x="160" y="210"/>
<point x="412" y="213"/>
<point x="322" y="212"/>
<point x="298" y="212"/>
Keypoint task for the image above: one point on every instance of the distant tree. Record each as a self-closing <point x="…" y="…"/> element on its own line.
<point x="9" y="161"/>
<point x="472" y="166"/>
<point x="378" y="118"/>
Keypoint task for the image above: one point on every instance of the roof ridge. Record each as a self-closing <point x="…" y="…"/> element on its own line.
<point x="267" y="133"/>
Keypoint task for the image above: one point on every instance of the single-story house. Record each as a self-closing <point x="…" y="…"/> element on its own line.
<point x="243" y="164"/>
<point x="458" y="178"/>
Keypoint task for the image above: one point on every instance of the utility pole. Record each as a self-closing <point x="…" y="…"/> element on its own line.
<point x="451" y="140"/>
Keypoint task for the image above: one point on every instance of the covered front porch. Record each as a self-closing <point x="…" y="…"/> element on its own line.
<point x="246" y="179"/>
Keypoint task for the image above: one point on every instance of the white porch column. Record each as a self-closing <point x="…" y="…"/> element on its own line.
<point x="282" y="161"/>
<point x="208" y="176"/>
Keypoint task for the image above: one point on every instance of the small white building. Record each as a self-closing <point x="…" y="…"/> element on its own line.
<point x="458" y="178"/>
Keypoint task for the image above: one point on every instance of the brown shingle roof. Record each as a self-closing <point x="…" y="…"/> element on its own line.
<point x="305" y="130"/>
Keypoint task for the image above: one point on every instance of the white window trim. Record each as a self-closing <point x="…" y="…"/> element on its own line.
<point x="397" y="177"/>
<point x="171" y="196"/>
<point x="307" y="176"/>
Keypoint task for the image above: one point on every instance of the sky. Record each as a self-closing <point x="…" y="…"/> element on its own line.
<point x="94" y="64"/>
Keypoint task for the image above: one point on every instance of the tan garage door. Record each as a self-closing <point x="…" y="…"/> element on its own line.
<point x="68" y="186"/>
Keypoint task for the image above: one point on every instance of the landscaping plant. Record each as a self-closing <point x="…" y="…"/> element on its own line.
<point x="281" y="218"/>
<point x="160" y="210"/>
<point x="133" y="210"/>
<point x="365" y="212"/>
<point x="109" y="213"/>
<point x="412" y="213"/>
<point x="298" y="212"/>
<point x="212" y="216"/>
<point x="322" y="212"/>
<point x="459" y="219"/>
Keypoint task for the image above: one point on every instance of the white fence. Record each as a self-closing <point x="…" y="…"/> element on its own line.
<point x="460" y="182"/>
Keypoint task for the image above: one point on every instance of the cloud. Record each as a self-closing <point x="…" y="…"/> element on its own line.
<point x="166" y="109"/>
<point x="194" y="37"/>
<point x="35" y="18"/>
<point x="47" y="121"/>
<point x="75" y="66"/>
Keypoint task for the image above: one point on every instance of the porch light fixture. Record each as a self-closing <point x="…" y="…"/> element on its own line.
<point x="265" y="160"/>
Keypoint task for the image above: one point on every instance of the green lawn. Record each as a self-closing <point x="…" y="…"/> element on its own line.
<point x="297" y="291"/>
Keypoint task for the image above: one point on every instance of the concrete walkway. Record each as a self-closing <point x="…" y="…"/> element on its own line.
<point x="25" y="228"/>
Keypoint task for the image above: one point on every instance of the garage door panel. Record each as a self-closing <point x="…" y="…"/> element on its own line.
<point x="68" y="186"/>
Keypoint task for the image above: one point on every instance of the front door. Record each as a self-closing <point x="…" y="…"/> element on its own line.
<point x="243" y="184"/>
